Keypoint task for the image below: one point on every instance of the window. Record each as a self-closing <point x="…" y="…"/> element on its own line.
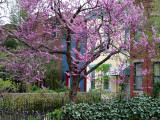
<point x="93" y="82"/>
<point x="105" y="82"/>
<point x="138" y="82"/>
<point x="92" y="74"/>
<point x="156" y="75"/>
<point x="127" y="34"/>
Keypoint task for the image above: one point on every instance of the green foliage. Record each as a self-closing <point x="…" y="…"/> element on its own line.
<point x="43" y="91"/>
<point x="154" y="20"/>
<point x="142" y="108"/>
<point x="121" y="87"/>
<point x="56" y="113"/>
<point x="11" y="44"/>
<point x="8" y="84"/>
<point x="60" y="90"/>
<point x="156" y="89"/>
<point x="156" y="7"/>
<point x="43" y="100"/>
<point x="103" y="69"/>
<point x="36" y="89"/>
<point x="65" y="89"/>
<point x="51" y="75"/>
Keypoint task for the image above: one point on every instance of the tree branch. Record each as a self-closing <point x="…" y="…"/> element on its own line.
<point x="41" y="46"/>
<point x="100" y="63"/>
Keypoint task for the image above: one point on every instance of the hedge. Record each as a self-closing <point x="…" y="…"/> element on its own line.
<point x="40" y="101"/>
<point x="142" y="107"/>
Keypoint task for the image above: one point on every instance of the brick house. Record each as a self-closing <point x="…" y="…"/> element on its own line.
<point x="140" y="83"/>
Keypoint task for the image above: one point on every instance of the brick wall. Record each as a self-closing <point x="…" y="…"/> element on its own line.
<point x="148" y="79"/>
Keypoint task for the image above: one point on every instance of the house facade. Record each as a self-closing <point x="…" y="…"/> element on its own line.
<point x="140" y="82"/>
<point x="60" y="35"/>
<point x="66" y="79"/>
<point x="114" y="73"/>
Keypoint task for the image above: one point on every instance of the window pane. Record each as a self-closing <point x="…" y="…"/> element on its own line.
<point x="156" y="69"/>
<point x="138" y="35"/>
<point x="138" y="73"/>
<point x="138" y="69"/>
<point x="93" y="82"/>
<point x="106" y="84"/>
<point x="127" y="34"/>
<point x="138" y="82"/>
<point x="92" y="85"/>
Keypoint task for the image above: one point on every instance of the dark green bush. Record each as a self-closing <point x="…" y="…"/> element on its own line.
<point x="52" y="79"/>
<point x="11" y="44"/>
<point x="59" y="90"/>
<point x="156" y="89"/>
<point x="34" y="88"/>
<point x="142" y="108"/>
<point x="65" y="89"/>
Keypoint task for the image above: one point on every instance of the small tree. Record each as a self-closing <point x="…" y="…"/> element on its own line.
<point x="8" y="85"/>
<point x="99" y="22"/>
<point x="102" y="80"/>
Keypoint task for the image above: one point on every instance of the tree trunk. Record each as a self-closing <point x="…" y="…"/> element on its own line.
<point x="73" y="91"/>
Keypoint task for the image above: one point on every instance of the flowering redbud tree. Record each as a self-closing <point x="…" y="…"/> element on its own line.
<point x="100" y="22"/>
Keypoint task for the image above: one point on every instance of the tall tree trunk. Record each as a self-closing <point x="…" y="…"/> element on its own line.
<point x="73" y="91"/>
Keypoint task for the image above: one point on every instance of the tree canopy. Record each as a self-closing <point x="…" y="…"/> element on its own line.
<point x="98" y="25"/>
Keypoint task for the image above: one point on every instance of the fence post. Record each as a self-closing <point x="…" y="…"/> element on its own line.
<point x="25" y="111"/>
<point x="42" y="116"/>
<point x="1" y="112"/>
<point x="52" y="116"/>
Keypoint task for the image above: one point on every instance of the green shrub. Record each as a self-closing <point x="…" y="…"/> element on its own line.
<point x="56" y="113"/>
<point x="8" y="84"/>
<point x="52" y="78"/>
<point x="156" y="89"/>
<point x="34" y="88"/>
<point x="44" y="91"/>
<point x="62" y="89"/>
<point x="34" y="101"/>
<point x="11" y="44"/>
<point x="142" y="108"/>
<point x="59" y="90"/>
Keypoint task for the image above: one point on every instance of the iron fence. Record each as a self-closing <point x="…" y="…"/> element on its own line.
<point x="37" y="110"/>
<point x="33" y="115"/>
<point x="27" y="110"/>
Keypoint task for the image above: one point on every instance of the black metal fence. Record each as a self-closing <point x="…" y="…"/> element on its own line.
<point x="43" y="110"/>
<point x="32" y="115"/>
<point x="37" y="110"/>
